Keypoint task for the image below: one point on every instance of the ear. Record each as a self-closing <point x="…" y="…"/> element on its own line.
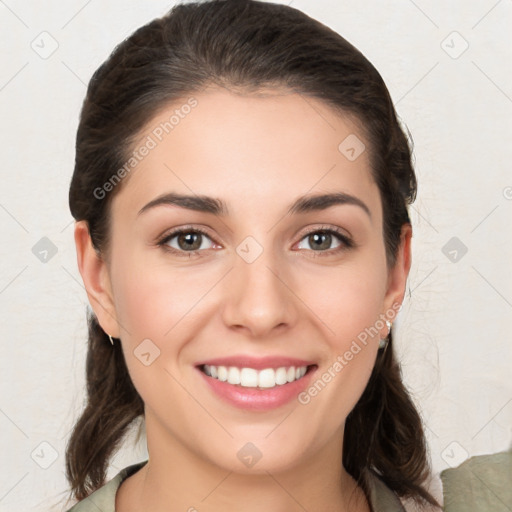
<point x="397" y="278"/>
<point x="95" y="275"/>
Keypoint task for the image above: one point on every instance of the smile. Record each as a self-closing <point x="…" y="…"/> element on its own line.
<point x="256" y="383"/>
<point x="251" y="378"/>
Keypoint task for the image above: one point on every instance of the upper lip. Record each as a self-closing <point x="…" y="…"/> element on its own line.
<point x="258" y="363"/>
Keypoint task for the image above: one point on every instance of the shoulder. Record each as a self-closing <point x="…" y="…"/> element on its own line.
<point x="381" y="497"/>
<point x="481" y="483"/>
<point x="104" y="498"/>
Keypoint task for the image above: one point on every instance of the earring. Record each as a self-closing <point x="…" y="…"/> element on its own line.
<point x="110" y="338"/>
<point x="383" y="343"/>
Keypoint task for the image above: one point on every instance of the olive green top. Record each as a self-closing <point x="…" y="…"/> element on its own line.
<point x="382" y="498"/>
<point x="480" y="484"/>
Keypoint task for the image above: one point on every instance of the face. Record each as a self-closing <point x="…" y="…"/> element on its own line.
<point x="253" y="286"/>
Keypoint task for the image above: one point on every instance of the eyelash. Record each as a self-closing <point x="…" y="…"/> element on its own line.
<point x="346" y="243"/>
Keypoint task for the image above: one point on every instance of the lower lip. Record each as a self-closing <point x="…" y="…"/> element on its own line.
<point x="257" y="399"/>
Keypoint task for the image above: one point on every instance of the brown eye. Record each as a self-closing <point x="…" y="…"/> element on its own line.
<point x="321" y="241"/>
<point x="185" y="241"/>
<point x="189" y="241"/>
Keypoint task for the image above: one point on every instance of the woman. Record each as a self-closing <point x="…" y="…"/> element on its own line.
<point x="265" y="146"/>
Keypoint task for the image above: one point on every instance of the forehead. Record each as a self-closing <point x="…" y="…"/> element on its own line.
<point x="260" y="148"/>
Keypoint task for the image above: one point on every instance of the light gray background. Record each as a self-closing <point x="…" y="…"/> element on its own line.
<point x="454" y="331"/>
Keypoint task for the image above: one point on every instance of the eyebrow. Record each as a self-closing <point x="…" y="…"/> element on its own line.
<point x="216" y="206"/>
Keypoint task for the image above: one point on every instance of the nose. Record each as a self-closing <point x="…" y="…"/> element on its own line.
<point x="258" y="298"/>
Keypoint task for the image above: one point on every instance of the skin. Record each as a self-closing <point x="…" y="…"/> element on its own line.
<point x="257" y="153"/>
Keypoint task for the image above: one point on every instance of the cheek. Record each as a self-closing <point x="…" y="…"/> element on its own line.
<point x="346" y="299"/>
<point x="158" y="301"/>
<point x="164" y="304"/>
<point x="152" y="299"/>
<point x="155" y="307"/>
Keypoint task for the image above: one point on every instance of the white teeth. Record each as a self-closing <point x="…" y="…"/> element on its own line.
<point x="233" y="375"/>
<point x="281" y="376"/>
<point x="267" y="378"/>
<point x="251" y="378"/>
<point x="222" y="373"/>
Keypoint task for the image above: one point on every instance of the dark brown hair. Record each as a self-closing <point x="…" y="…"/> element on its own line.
<point x="242" y="45"/>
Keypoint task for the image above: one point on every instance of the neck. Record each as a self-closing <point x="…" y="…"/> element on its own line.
<point x="176" y="478"/>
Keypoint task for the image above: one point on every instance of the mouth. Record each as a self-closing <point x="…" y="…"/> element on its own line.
<point x="262" y="388"/>
<point x="265" y="378"/>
